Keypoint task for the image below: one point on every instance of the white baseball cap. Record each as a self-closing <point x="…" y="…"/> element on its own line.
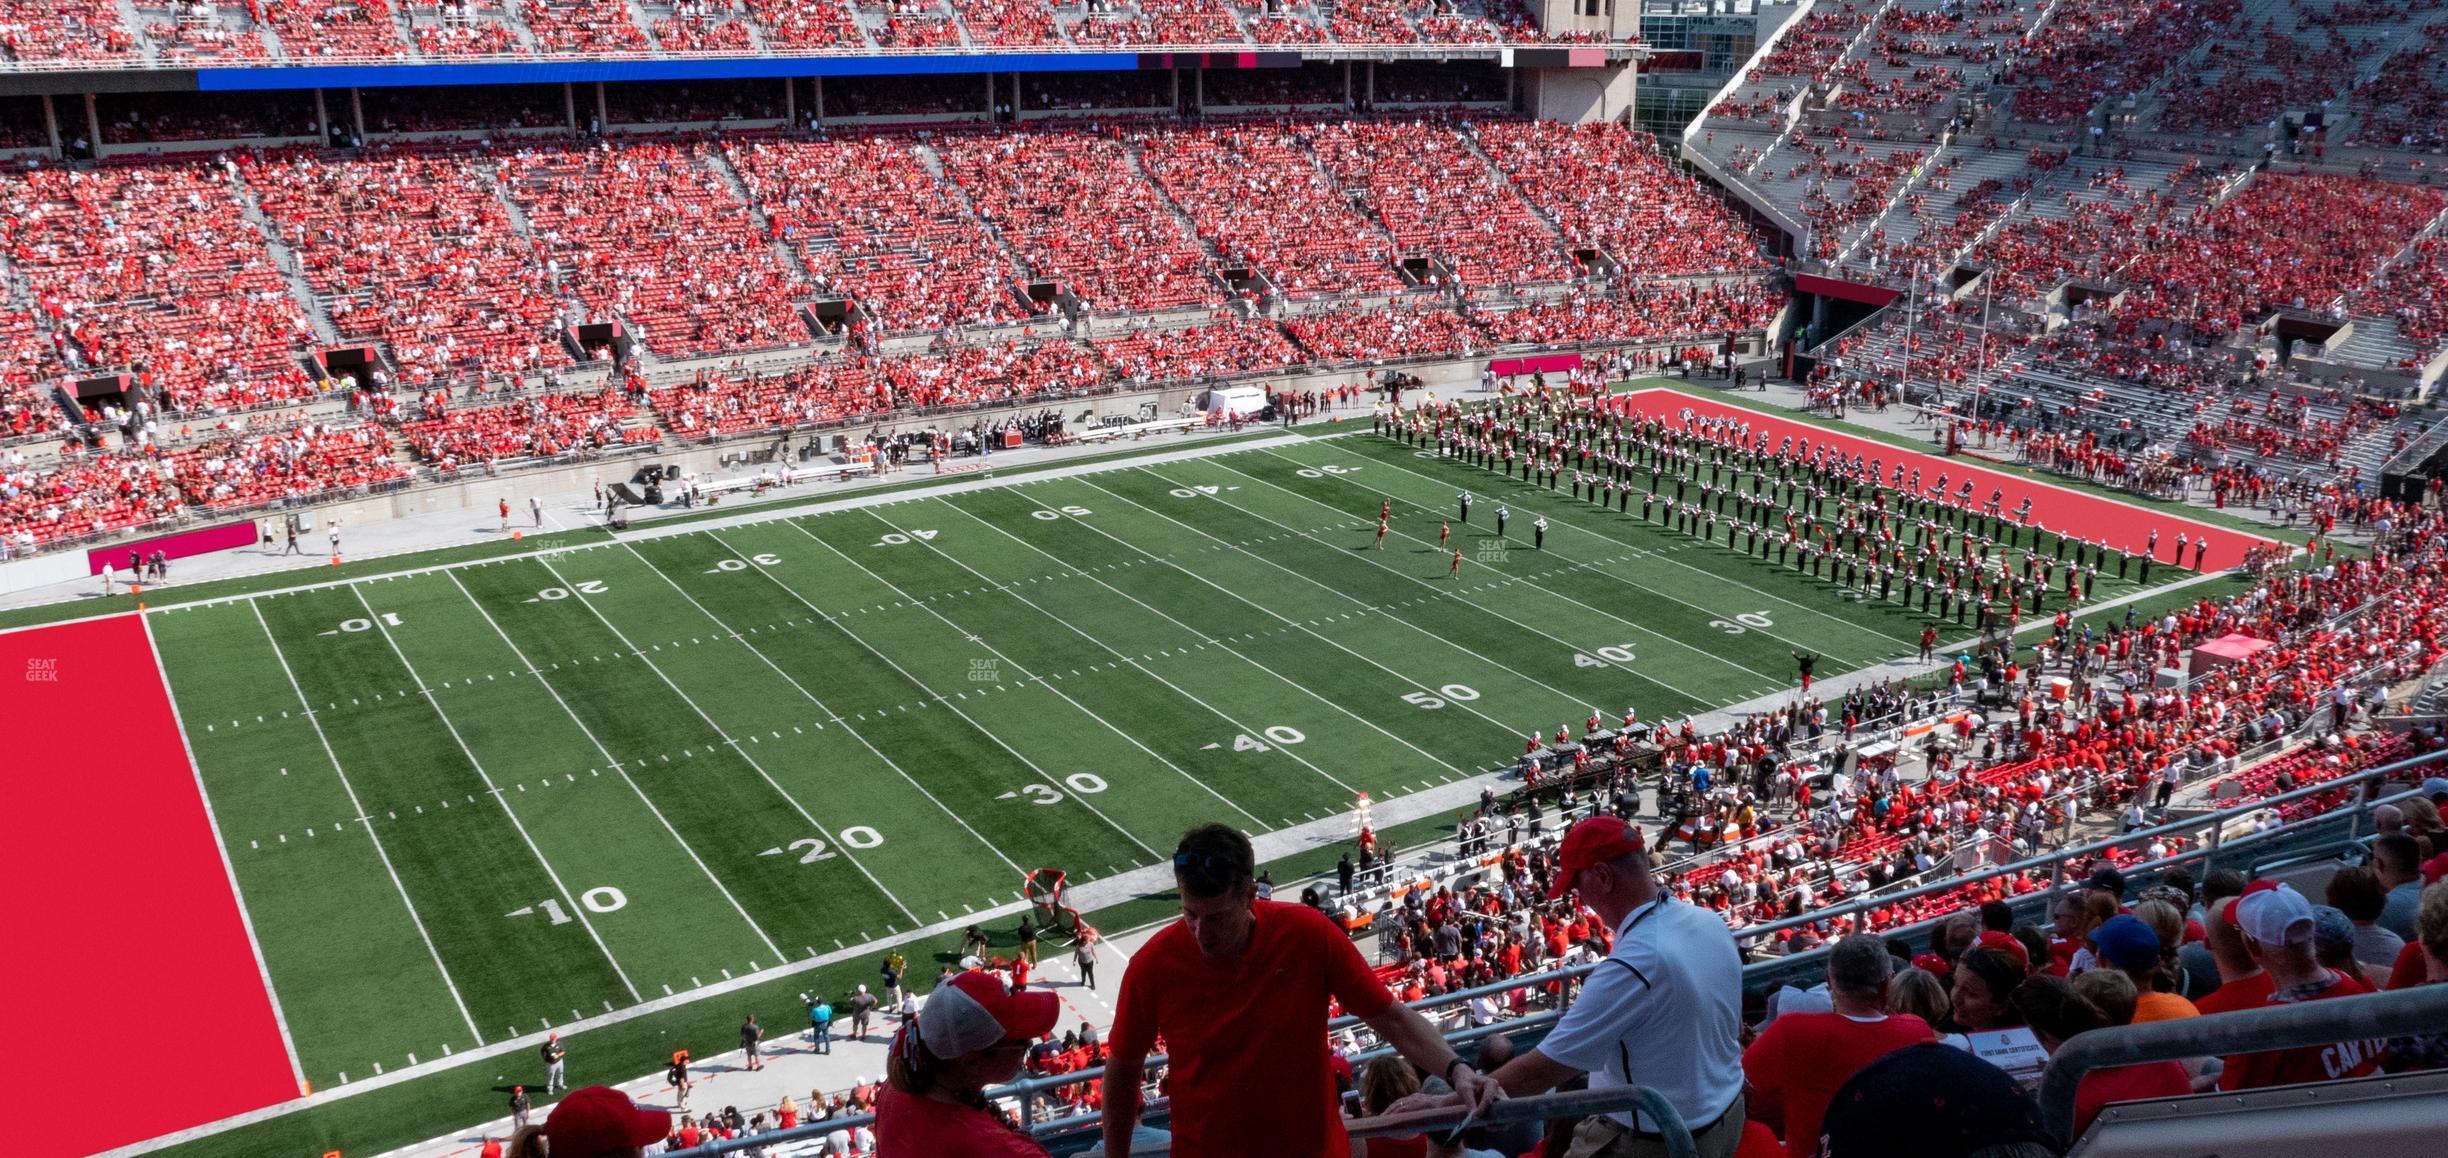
<point x="2275" y="916"/>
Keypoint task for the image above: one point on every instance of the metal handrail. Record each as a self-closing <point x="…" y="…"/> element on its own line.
<point x="2289" y="1026"/>
<point x="1025" y="1089"/>
<point x="1562" y="1104"/>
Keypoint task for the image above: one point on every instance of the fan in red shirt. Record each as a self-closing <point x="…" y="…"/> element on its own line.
<point x="2277" y="925"/>
<point x="2057" y="1014"/>
<point x="972" y="1033"/>
<point x="1239" y="990"/>
<point x="1796" y="1063"/>
<point x="2242" y="984"/>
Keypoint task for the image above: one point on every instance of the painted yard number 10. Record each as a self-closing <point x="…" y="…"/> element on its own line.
<point x="604" y="899"/>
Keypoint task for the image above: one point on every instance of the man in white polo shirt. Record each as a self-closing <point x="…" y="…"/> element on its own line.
<point x="1663" y="1010"/>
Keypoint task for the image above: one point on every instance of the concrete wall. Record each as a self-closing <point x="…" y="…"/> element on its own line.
<point x="1580" y="95"/>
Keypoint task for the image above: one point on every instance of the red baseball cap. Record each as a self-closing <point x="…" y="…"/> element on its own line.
<point x="974" y="1011"/>
<point x="1932" y="964"/>
<point x="2005" y="943"/>
<point x="600" y="1120"/>
<point x="1593" y="841"/>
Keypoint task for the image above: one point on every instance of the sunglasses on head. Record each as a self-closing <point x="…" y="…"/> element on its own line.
<point x="1207" y="862"/>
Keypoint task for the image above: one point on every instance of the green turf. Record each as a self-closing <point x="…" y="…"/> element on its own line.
<point x="619" y="771"/>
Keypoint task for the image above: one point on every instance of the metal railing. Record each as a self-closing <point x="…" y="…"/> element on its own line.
<point x="1565" y="1104"/>
<point x="2209" y="826"/>
<point x="2289" y="1026"/>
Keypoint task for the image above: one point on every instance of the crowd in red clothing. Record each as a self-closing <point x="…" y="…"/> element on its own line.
<point x="1651" y="313"/>
<point x="2415" y="292"/>
<point x="1055" y="200"/>
<point x="648" y="230"/>
<point x="63" y="30"/>
<point x="2093" y="50"/>
<point x="2391" y="104"/>
<point x="413" y="250"/>
<point x="1615" y="192"/>
<point x="1439" y="199"/>
<point x="546" y="426"/>
<point x="304" y="460"/>
<point x="1253" y="193"/>
<point x="584" y="26"/>
<point x="2299" y="240"/>
<point x="876" y="227"/>
<point x="157" y="269"/>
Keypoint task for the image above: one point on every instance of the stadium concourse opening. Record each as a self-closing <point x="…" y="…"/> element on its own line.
<point x="120" y="900"/>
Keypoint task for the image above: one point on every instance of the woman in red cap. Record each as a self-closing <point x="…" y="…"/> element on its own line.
<point x="596" y="1122"/>
<point x="971" y="1033"/>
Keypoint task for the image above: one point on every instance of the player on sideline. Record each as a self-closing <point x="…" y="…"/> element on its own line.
<point x="505" y="512"/>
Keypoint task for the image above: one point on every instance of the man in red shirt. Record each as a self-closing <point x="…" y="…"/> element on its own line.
<point x="1795" y="1064"/>
<point x="2277" y="926"/>
<point x="1239" y="990"/>
<point x="2242" y="984"/>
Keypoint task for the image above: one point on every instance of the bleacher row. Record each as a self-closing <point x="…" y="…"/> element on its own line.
<point x="469" y="263"/>
<point x="171" y="32"/>
<point x="464" y="266"/>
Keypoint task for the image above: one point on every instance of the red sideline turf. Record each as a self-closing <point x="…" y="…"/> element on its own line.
<point x="119" y="900"/>
<point x="2088" y="516"/>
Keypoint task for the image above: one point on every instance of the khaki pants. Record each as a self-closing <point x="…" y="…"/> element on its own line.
<point x="1604" y="1137"/>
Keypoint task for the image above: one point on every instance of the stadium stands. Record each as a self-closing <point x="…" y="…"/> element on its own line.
<point x="1042" y="192"/>
<point x="416" y="252"/>
<point x="157" y="270"/>
<point x="873" y="224"/>
<point x="649" y="230"/>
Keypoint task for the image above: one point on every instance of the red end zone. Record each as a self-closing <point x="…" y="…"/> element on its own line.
<point x="2088" y="516"/>
<point x="133" y="972"/>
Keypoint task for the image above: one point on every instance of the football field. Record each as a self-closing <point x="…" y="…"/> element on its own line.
<point x="468" y="804"/>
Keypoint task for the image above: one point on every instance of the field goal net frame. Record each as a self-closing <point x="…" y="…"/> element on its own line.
<point x="1047" y="891"/>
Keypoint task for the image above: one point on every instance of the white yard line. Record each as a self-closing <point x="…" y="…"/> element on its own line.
<point x="1339" y="593"/>
<point x="1236" y="652"/>
<point x="1646" y="590"/>
<point x="1430" y="584"/>
<point x="371" y="833"/>
<point x="1115" y="652"/>
<point x="835" y="716"/>
<point x="228" y="870"/>
<point x="578" y="596"/>
<point x="618" y="769"/>
<point x="1040" y="681"/>
<point x="499" y="797"/>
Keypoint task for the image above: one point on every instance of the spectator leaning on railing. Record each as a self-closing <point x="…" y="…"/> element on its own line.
<point x="1670" y="995"/>
<point x="1237" y="989"/>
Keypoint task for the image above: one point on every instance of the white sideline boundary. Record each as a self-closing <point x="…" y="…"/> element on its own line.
<point x="229" y="869"/>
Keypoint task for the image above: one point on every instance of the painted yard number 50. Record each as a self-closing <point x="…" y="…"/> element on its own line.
<point x="1457" y="693"/>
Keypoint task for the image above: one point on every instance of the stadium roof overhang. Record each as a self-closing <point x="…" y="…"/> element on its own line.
<point x="18" y="79"/>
